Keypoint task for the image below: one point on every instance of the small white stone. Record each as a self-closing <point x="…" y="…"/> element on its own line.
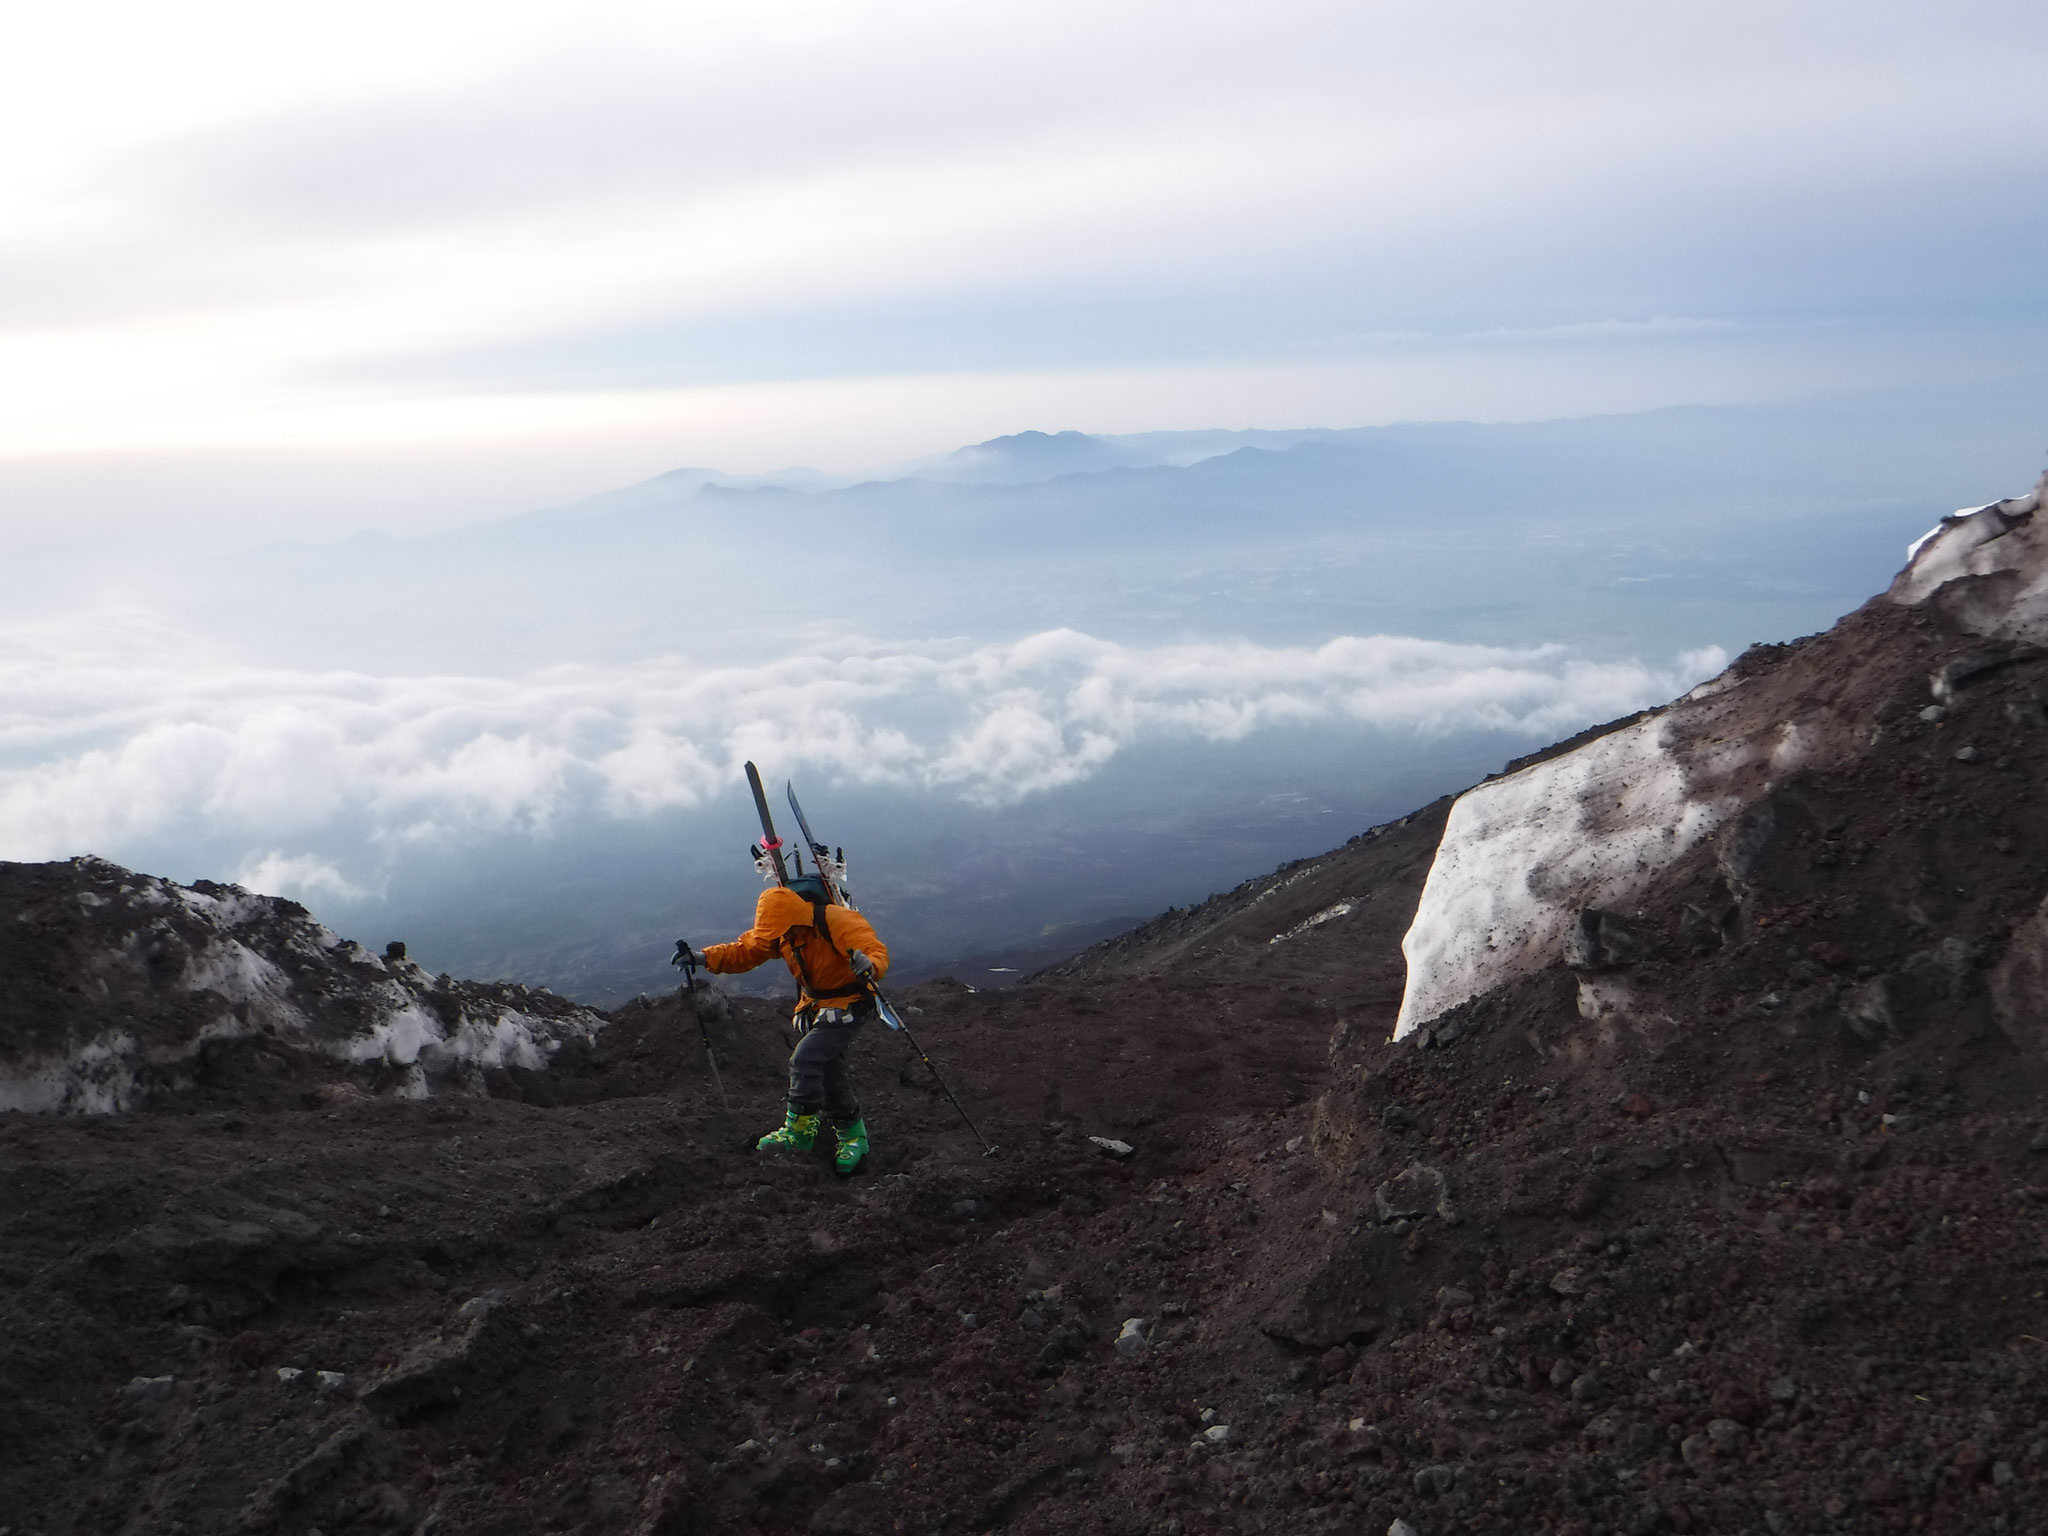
<point x="1217" y="1434"/>
<point x="289" y="1374"/>
<point x="1402" y="1528"/>
<point x="331" y="1381"/>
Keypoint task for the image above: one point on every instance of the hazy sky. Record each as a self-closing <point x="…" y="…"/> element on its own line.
<point x="313" y="268"/>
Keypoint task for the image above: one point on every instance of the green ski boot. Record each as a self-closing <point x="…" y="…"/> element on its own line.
<point x="850" y="1145"/>
<point x="799" y="1133"/>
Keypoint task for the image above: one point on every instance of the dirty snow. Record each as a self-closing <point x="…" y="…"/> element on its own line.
<point x="98" y="1079"/>
<point x="1340" y="909"/>
<point x="1985" y="541"/>
<point x="1280" y="885"/>
<point x="1523" y="854"/>
<point x="227" y="947"/>
<point x="236" y="973"/>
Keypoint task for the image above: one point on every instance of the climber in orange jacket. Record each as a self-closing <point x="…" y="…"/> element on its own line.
<point x="837" y="959"/>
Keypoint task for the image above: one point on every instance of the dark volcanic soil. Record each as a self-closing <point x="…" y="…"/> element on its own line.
<point x="1762" y="1251"/>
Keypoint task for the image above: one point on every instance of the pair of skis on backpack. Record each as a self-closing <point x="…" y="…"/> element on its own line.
<point x="830" y="867"/>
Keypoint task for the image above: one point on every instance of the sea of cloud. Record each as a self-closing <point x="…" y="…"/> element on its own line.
<point x="118" y="730"/>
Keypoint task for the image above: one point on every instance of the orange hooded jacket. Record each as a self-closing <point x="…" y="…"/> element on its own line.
<point x="783" y="925"/>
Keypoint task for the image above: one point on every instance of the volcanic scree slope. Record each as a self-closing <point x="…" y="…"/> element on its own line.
<point x="1685" y="1174"/>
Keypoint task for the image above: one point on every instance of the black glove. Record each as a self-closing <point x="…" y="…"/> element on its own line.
<point x="686" y="957"/>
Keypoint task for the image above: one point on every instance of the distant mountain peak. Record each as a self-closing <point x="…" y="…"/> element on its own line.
<point x="1022" y="457"/>
<point x="1031" y="439"/>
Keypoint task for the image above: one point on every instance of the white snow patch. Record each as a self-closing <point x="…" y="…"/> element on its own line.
<point x="235" y="971"/>
<point x="1341" y="909"/>
<point x="1523" y="854"/>
<point x="1603" y="997"/>
<point x="513" y="1039"/>
<point x="1280" y="885"/>
<point x="356" y="954"/>
<point x="1713" y="686"/>
<point x="398" y="1037"/>
<point x="98" y="1079"/>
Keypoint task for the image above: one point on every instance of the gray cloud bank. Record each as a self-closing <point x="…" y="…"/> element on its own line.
<point x="117" y="733"/>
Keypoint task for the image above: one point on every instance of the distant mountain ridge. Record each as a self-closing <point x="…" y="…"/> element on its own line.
<point x="1621" y="540"/>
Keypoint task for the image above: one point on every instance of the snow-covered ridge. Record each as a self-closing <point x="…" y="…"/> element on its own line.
<point x="146" y="980"/>
<point x="1523" y="855"/>
<point x="2001" y="543"/>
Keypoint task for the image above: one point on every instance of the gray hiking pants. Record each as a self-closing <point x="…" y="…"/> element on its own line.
<point x="819" y="1077"/>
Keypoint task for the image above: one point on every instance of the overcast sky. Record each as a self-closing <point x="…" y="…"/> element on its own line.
<point x="405" y="264"/>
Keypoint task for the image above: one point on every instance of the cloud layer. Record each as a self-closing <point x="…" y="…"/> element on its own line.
<point x="134" y="732"/>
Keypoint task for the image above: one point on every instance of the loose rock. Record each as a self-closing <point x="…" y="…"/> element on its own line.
<point x="1417" y="1191"/>
<point x="1433" y="1482"/>
<point x="1131" y="1342"/>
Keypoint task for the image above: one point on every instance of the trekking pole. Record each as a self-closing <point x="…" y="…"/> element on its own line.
<point x="894" y="1020"/>
<point x="687" y="959"/>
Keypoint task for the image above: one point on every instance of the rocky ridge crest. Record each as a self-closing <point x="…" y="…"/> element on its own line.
<point x="125" y="989"/>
